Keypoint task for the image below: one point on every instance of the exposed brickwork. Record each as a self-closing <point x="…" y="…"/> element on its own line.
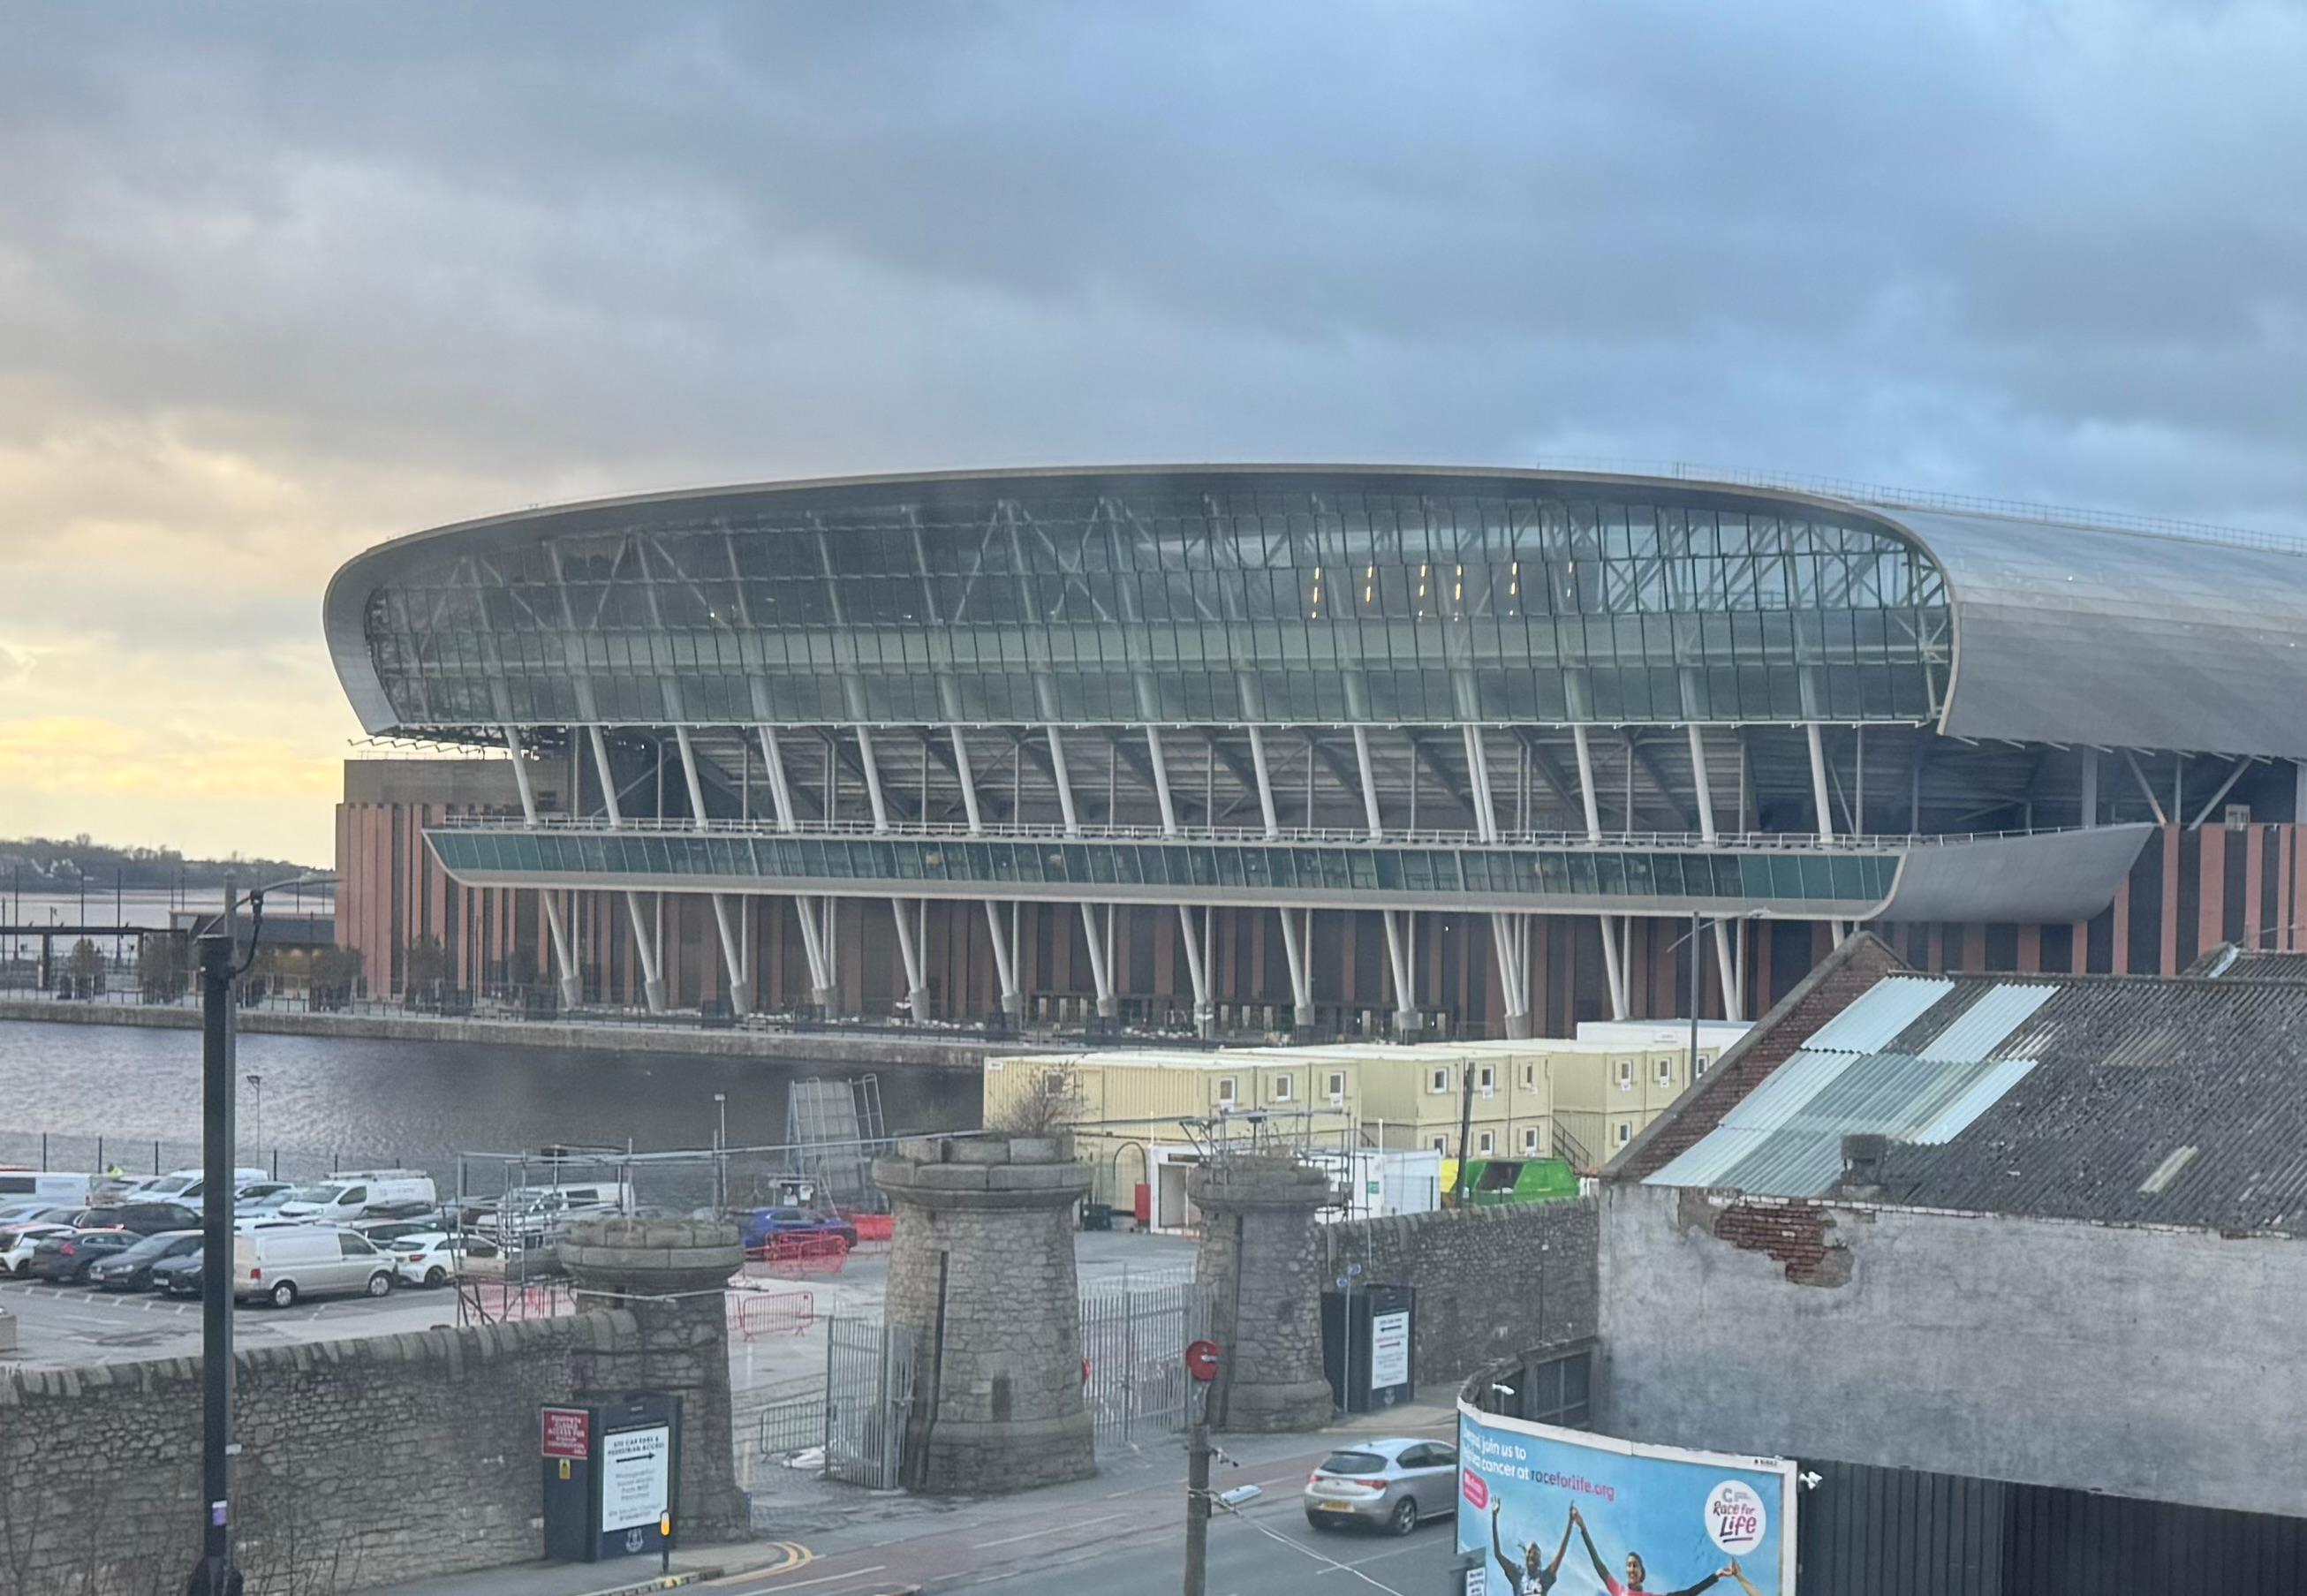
<point x="1491" y="1281"/>
<point x="362" y="1462"/>
<point x="1797" y="1234"/>
<point x="1826" y="991"/>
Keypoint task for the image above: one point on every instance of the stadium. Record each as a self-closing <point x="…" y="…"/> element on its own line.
<point x="1336" y="749"/>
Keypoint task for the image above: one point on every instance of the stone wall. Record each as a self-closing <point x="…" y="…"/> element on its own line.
<point x="2137" y="1361"/>
<point x="1491" y="1281"/>
<point x="362" y="1462"/>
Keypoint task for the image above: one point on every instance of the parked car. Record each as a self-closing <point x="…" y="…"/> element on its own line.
<point x="184" y="1186"/>
<point x="280" y="1267"/>
<point x="132" y="1270"/>
<point x="67" y="1257"/>
<point x="18" y="1242"/>
<point x="144" y="1218"/>
<point x="763" y="1225"/>
<point x="430" y="1257"/>
<point x="1390" y="1484"/>
<point x="355" y="1194"/>
<point x="179" y="1276"/>
<point x="383" y="1233"/>
<point x="530" y="1216"/>
<point x="28" y="1213"/>
<point x="252" y="1194"/>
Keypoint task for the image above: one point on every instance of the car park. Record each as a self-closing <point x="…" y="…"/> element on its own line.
<point x="131" y="1269"/>
<point x="357" y="1194"/>
<point x="18" y="1242"/>
<point x="251" y="1195"/>
<point x="184" y="1186"/>
<point x="66" y="1257"/>
<point x="1391" y="1484"/>
<point x="384" y="1233"/>
<point x="282" y="1266"/>
<point x="432" y="1257"/>
<point x="28" y="1212"/>
<point x="179" y="1276"/>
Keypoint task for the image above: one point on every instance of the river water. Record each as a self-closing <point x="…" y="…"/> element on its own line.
<point x="326" y="1102"/>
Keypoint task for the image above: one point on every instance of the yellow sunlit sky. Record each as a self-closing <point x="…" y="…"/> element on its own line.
<point x="279" y="281"/>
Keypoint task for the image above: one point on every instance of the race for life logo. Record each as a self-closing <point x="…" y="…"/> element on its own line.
<point x="1735" y="1518"/>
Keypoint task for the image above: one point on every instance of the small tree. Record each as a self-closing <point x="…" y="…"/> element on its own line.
<point x="1049" y="1102"/>
<point x="162" y="968"/>
<point x="84" y="968"/>
<point x="423" y="966"/>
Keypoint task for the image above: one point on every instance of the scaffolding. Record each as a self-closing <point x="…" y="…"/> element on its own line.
<point x="835" y="1130"/>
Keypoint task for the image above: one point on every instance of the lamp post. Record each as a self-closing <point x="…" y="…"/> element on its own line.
<point x="214" y="1575"/>
<point x="256" y="1110"/>
<point x="721" y="1153"/>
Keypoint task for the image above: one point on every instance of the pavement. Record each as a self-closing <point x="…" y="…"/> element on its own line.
<point x="1121" y="1533"/>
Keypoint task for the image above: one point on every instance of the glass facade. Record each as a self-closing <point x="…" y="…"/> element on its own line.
<point x="1154" y="601"/>
<point x="1849" y="882"/>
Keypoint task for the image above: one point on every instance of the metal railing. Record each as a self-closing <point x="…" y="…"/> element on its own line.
<point x="1777" y="842"/>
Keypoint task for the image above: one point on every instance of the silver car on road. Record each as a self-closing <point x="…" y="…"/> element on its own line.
<point x="1391" y="1483"/>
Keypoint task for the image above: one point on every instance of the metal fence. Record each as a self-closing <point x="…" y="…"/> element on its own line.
<point x="847" y="1421"/>
<point x="137" y="1156"/>
<point x="1134" y="1336"/>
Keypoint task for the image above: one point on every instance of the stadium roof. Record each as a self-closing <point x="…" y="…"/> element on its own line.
<point x="2128" y="1098"/>
<point x="2063" y="633"/>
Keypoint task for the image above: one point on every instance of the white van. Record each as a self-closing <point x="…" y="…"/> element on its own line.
<point x="28" y="1186"/>
<point x="531" y="1215"/>
<point x="349" y="1194"/>
<point x="184" y="1186"/>
<point x="281" y="1266"/>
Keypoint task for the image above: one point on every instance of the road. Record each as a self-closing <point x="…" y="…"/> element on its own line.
<point x="1123" y="1535"/>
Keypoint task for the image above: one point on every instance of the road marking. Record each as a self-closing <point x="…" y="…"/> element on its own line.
<point x="827" y="1579"/>
<point x="1071" y="1524"/>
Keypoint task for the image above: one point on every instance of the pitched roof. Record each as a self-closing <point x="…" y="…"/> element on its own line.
<point x="2179" y="1101"/>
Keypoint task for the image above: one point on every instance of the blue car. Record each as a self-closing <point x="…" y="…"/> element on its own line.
<point x="763" y="1225"/>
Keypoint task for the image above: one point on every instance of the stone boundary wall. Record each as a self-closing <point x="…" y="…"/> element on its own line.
<point x="1492" y="1282"/>
<point x="363" y="1462"/>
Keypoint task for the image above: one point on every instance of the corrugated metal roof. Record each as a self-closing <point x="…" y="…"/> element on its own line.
<point x="1991" y="1017"/>
<point x="1884" y="1010"/>
<point x="2104" y="1081"/>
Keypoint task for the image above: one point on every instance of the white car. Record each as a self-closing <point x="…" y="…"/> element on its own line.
<point x="17" y="1243"/>
<point x="430" y="1259"/>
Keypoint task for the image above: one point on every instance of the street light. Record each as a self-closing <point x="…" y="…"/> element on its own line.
<point x="214" y="1575"/>
<point x="256" y="1110"/>
<point x="721" y="1155"/>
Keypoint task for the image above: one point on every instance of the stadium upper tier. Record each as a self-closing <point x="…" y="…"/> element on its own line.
<point x="1306" y="596"/>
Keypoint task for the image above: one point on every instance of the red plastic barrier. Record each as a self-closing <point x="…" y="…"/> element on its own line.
<point x="774" y="1313"/>
<point x="801" y="1255"/>
<point x="874" y="1227"/>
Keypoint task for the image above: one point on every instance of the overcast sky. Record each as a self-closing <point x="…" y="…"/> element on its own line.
<point x="276" y="282"/>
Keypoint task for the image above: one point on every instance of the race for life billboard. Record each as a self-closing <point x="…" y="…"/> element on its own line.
<point x="1567" y="1513"/>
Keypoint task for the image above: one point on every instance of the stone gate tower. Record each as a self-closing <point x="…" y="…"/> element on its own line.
<point x="1258" y="1262"/>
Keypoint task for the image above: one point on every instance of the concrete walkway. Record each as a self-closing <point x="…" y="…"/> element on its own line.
<point x="627" y="1576"/>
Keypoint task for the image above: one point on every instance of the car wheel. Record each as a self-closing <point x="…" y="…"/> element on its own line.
<point x="380" y="1285"/>
<point x="283" y="1294"/>
<point x="1405" y="1518"/>
<point x="436" y="1276"/>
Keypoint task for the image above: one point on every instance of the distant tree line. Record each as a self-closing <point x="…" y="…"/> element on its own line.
<point x="42" y="863"/>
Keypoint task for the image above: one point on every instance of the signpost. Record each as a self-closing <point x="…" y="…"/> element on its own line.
<point x="1202" y="1363"/>
<point x="612" y="1477"/>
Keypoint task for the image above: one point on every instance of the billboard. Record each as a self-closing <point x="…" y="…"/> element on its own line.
<point x="1567" y="1513"/>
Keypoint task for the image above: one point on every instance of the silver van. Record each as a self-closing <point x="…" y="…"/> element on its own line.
<point x="281" y="1266"/>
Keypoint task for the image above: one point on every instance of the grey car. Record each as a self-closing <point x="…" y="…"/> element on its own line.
<point x="1391" y="1483"/>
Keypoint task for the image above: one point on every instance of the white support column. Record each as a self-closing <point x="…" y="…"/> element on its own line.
<point x="1513" y="997"/>
<point x="1369" y="782"/>
<point x="643" y="943"/>
<point x="1064" y="780"/>
<point x="1818" y="781"/>
<point x="917" y="991"/>
<point x="1264" y="783"/>
<point x="1401" y="953"/>
<point x="1161" y="767"/>
<point x="1614" y="971"/>
<point x="1586" y="784"/>
<point x="1732" y="1001"/>
<point x="805" y="907"/>
<point x="1004" y="972"/>
<point x="1298" y="951"/>
<point x="1706" y="831"/>
<point x="564" y="961"/>
<point x="732" y="957"/>
<point x="1101" y="974"/>
<point x="1196" y="972"/>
